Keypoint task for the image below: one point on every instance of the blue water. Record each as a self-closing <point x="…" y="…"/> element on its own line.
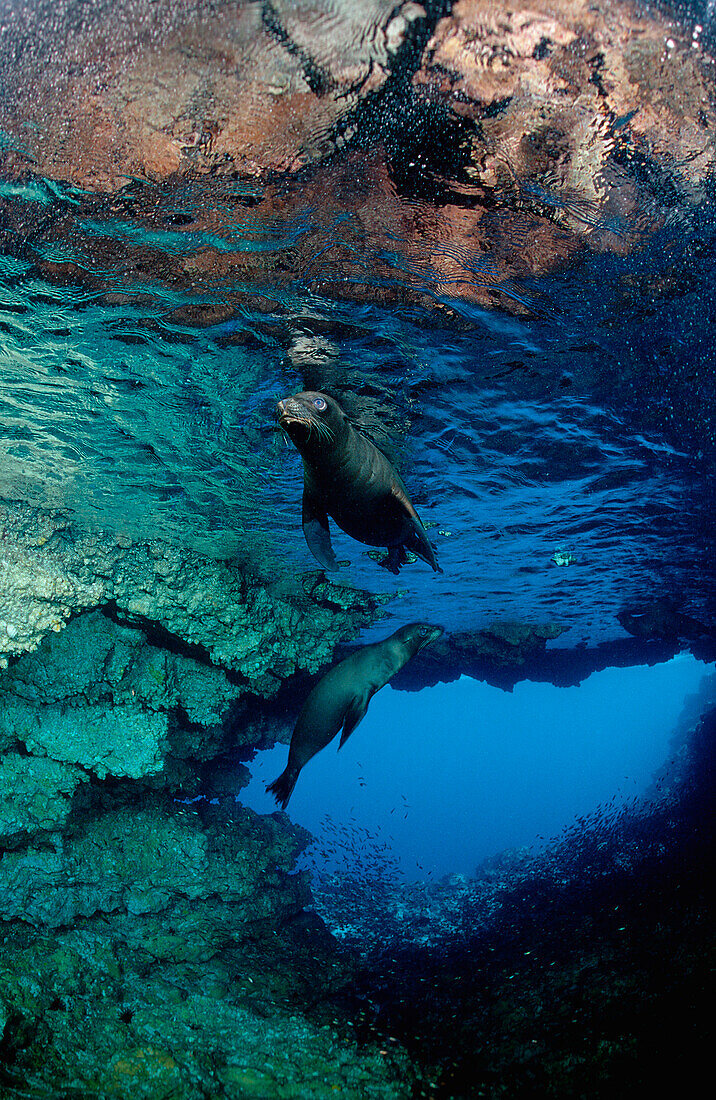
<point x="140" y="425"/>
<point x="456" y="773"/>
<point x="524" y="320"/>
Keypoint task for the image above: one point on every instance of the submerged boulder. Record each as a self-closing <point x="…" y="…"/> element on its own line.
<point x="154" y="940"/>
<point x="169" y="950"/>
<point x="35" y="796"/>
<point x="51" y="570"/>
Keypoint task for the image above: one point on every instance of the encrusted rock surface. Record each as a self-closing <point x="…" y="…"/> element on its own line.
<point x="170" y="952"/>
<point x="49" y="571"/>
<point x="149" y="90"/>
<point x="588" y="126"/>
<point x="97" y="700"/>
<point x="35" y="795"/>
<point x="143" y="860"/>
<point x="153" y="942"/>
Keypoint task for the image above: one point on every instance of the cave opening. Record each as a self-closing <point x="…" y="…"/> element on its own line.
<point x="440" y="781"/>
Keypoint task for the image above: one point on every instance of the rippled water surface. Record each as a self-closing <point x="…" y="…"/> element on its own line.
<point x="518" y="437"/>
<point x="571" y="413"/>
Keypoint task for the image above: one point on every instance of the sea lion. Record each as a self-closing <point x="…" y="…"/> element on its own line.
<point x="348" y="478"/>
<point x="341" y="698"/>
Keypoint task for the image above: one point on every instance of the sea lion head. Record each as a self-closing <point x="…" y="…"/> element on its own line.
<point x="313" y="421"/>
<point x="416" y="635"/>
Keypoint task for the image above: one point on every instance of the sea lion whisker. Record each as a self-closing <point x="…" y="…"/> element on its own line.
<point x="314" y="426"/>
<point x="322" y="430"/>
<point x="349" y="479"/>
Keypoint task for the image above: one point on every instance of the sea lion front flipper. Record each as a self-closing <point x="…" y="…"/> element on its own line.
<point x="318" y="535"/>
<point x="355" y="713"/>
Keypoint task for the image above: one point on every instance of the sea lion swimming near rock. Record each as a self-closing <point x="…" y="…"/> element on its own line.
<point x="341" y="698"/>
<point x="348" y="478"/>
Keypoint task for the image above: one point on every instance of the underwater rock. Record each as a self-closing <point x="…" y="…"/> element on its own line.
<point x="151" y="90"/>
<point x="151" y="1029"/>
<point x="127" y="914"/>
<point x="663" y="619"/>
<point x="35" y="796"/>
<point x="97" y="695"/>
<point x="142" y="860"/>
<point x="121" y="740"/>
<point x="94" y="658"/>
<point x="51" y="570"/>
<point x="511" y="642"/>
<point x="100" y="696"/>
<point x="569" y="96"/>
<point x="38" y="592"/>
<point x="498" y="147"/>
<point x="172" y="949"/>
<point x="506" y="647"/>
<point x="512" y="652"/>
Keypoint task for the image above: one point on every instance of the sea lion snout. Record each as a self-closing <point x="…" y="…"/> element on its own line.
<point x="291" y="414"/>
<point x="287" y="407"/>
<point x="430" y="634"/>
<point x="309" y="419"/>
<point x="417" y="635"/>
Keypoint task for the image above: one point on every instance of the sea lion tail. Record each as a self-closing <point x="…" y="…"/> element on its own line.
<point x="282" y="788"/>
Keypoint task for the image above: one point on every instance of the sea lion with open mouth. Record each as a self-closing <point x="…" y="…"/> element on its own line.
<point x="348" y="478"/>
<point x="341" y="698"/>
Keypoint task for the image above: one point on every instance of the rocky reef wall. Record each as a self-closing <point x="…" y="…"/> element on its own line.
<point x="222" y="159"/>
<point x="154" y="937"/>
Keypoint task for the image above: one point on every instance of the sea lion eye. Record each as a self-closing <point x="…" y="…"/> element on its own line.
<point x="319" y="404"/>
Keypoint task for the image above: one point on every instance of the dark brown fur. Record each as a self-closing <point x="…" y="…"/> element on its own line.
<point x="348" y="478"/>
<point x="341" y="698"/>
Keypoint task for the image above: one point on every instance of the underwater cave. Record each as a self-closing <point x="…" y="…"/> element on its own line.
<point x="356" y="387"/>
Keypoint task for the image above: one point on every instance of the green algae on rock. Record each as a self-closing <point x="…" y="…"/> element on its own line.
<point x="161" y="931"/>
<point x="139" y="860"/>
<point x="172" y="948"/>
<point x="232" y="617"/>
<point x="35" y="796"/>
<point x="103" y="713"/>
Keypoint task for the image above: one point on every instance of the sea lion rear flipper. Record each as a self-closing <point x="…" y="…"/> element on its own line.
<point x="416" y="538"/>
<point x="418" y="541"/>
<point x="396" y="558"/>
<point x="355" y="713"/>
<point x="318" y="535"/>
<point x="282" y="788"/>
